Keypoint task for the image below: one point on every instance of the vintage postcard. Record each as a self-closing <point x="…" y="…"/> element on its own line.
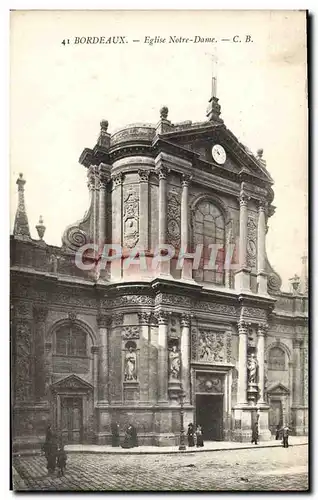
<point x="159" y="284"/>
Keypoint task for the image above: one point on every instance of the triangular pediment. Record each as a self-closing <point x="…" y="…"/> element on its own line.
<point x="278" y="388"/>
<point x="72" y="382"/>
<point x="200" y="138"/>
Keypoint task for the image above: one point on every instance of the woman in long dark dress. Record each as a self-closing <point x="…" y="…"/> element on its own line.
<point x="190" y="434"/>
<point x="199" y="435"/>
<point x="128" y="440"/>
<point x="115" y="434"/>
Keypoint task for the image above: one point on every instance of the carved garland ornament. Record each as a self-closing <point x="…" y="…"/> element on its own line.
<point x="130" y="332"/>
<point x="174" y="218"/>
<point x="131" y="217"/>
<point x="251" y="242"/>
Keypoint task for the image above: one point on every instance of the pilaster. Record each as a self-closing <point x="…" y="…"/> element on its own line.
<point x="40" y="315"/>
<point x="144" y="209"/>
<point x="261" y="249"/>
<point x="117" y="216"/>
<point x="242" y="277"/>
<point x="186" y="272"/>
<point x="162" y="317"/>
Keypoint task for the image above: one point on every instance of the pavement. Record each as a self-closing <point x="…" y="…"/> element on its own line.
<point x="155" y="450"/>
<point x="254" y="468"/>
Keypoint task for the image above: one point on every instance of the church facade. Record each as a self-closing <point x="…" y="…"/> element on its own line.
<point x="185" y="309"/>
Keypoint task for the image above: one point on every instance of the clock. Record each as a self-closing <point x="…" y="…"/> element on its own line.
<point x="218" y="154"/>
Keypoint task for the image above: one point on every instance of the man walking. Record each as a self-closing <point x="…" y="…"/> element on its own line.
<point x="285" y="436"/>
<point x="255" y="433"/>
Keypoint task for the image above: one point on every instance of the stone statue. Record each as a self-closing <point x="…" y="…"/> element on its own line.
<point x="252" y="366"/>
<point x="174" y="362"/>
<point x="130" y="364"/>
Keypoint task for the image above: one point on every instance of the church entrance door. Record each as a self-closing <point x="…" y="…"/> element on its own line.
<point x="209" y="414"/>
<point x="72" y="419"/>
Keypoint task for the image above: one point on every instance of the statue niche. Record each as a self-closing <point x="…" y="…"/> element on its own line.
<point x="174" y="369"/>
<point x="174" y="360"/>
<point x="130" y="374"/>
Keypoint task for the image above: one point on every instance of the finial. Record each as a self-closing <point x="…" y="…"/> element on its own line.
<point x="40" y="228"/>
<point x="295" y="282"/>
<point x="21" y="225"/>
<point x="104" y="125"/>
<point x="260" y="153"/>
<point x="104" y="136"/>
<point x="164" y="113"/>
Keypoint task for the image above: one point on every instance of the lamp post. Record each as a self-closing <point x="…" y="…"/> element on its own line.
<point x="182" y="445"/>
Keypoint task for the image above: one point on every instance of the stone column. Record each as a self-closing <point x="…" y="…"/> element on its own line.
<point x="242" y="368"/>
<point x="95" y="351"/>
<point x="48" y="367"/>
<point x="261" y="332"/>
<point x="186" y="272"/>
<point x="185" y="354"/>
<point x="102" y="211"/>
<point x="162" y="356"/>
<point x="104" y="322"/>
<point x="297" y="373"/>
<point x="40" y="314"/>
<point x="93" y="186"/>
<point x="144" y="209"/>
<point x="261" y="250"/>
<point x="242" y="277"/>
<point x="144" y="363"/>
<point x="162" y="174"/>
<point x="116" y="265"/>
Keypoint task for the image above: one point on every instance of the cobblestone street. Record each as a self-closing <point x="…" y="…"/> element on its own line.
<point x="256" y="469"/>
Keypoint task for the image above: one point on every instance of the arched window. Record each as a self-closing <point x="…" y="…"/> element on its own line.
<point x="71" y="340"/>
<point x="276" y="359"/>
<point x="209" y="229"/>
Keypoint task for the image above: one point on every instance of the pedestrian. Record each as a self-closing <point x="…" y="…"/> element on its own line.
<point x="277" y="432"/>
<point x="52" y="454"/>
<point x="115" y="434"/>
<point x="61" y="460"/>
<point x="285" y="436"/>
<point x="128" y="439"/>
<point x="134" y="436"/>
<point x="255" y="433"/>
<point x="199" y="436"/>
<point x="190" y="435"/>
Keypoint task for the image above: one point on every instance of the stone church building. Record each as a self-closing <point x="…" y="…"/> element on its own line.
<point x="112" y="340"/>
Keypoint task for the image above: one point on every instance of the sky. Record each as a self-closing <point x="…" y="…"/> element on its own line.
<point x="59" y="93"/>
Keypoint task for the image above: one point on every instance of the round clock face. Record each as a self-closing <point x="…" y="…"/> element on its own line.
<point x="218" y="154"/>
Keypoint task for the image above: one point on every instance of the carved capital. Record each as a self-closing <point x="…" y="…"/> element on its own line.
<point x="93" y="178"/>
<point x="162" y="173"/>
<point x="117" y="319"/>
<point x="40" y="313"/>
<point x="186" y="319"/>
<point x="186" y="179"/>
<point x="117" y="179"/>
<point x="103" y="181"/>
<point x="162" y="317"/>
<point x="297" y="343"/>
<point x="262" y="329"/>
<point x="143" y="175"/>
<point x="243" y="199"/>
<point x="144" y="318"/>
<point x="262" y="206"/>
<point x="243" y="327"/>
<point x="103" y="321"/>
